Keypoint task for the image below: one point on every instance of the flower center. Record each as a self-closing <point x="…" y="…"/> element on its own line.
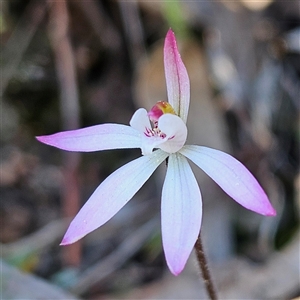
<point x="160" y="108"/>
<point x="159" y="128"/>
<point x="155" y="131"/>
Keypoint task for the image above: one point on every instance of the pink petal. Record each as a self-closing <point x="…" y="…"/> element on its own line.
<point x="181" y="211"/>
<point x="112" y="194"/>
<point x="232" y="176"/>
<point x="94" y="138"/>
<point x="177" y="79"/>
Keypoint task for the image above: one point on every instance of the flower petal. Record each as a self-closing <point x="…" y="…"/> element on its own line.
<point x="175" y="130"/>
<point x="112" y="194"/>
<point x="94" y="138"/>
<point x="181" y="211"/>
<point x="140" y="120"/>
<point x="232" y="176"/>
<point x="177" y="79"/>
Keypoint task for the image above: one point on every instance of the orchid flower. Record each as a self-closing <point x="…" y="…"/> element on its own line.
<point x="160" y="134"/>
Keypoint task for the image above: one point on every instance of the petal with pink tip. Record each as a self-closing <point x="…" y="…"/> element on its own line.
<point x="112" y="194"/>
<point x="94" y="138"/>
<point x="177" y="79"/>
<point x="232" y="176"/>
<point x="181" y="212"/>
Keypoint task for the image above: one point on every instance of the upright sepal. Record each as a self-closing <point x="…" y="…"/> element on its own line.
<point x="177" y="79"/>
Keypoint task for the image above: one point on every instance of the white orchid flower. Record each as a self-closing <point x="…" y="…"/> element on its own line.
<point x="160" y="133"/>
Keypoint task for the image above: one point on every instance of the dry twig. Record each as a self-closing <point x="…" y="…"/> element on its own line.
<point x="69" y="108"/>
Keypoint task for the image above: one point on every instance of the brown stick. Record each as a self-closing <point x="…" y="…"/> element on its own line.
<point x="205" y="270"/>
<point x="69" y="108"/>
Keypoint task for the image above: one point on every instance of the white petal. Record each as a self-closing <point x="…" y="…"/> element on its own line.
<point x="149" y="143"/>
<point x="178" y="83"/>
<point x="112" y="194"/>
<point x="140" y="120"/>
<point x="94" y="138"/>
<point x="175" y="130"/>
<point x="232" y="176"/>
<point x="181" y="210"/>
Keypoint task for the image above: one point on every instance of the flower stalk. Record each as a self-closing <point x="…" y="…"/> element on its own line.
<point x="209" y="285"/>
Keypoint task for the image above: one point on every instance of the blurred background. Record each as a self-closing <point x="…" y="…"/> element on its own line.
<point x="69" y="64"/>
